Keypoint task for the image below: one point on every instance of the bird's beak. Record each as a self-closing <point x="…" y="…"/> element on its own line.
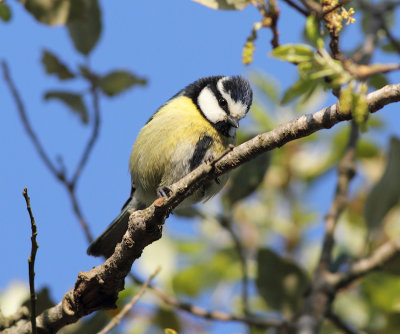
<point x="233" y="121"/>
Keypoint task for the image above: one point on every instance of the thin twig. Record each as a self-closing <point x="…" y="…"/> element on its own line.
<point x="70" y="185"/>
<point x="32" y="135"/>
<point x="377" y="12"/>
<point x="226" y="223"/>
<point x="262" y="322"/>
<point x="117" y="319"/>
<point x="31" y="261"/>
<point x="78" y="212"/>
<point x="95" y="132"/>
<point x="312" y="6"/>
<point x="346" y="172"/>
<point x="342" y="325"/>
<point x="300" y="9"/>
<point x="273" y="11"/>
<point x="362" y="267"/>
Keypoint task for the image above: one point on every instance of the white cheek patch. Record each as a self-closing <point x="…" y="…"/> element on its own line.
<point x="208" y="104"/>
<point x="236" y="109"/>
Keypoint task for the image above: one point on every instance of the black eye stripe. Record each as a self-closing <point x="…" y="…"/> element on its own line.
<point x="221" y="101"/>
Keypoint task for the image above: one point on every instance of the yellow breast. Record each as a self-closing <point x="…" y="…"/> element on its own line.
<point x="164" y="146"/>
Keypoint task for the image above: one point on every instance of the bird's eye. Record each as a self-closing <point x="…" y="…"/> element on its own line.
<point x="222" y="102"/>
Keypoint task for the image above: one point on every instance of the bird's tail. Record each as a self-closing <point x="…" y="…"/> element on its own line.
<point x="105" y="243"/>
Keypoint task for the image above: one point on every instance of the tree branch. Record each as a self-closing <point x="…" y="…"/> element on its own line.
<point x="346" y="172"/>
<point x="60" y="174"/>
<point x="98" y="288"/>
<point x="340" y="324"/>
<point x="226" y="223"/>
<point x="95" y="132"/>
<point x="262" y="322"/>
<point x="32" y="135"/>
<point x="31" y="261"/>
<point x="300" y="9"/>
<point x="376" y="260"/>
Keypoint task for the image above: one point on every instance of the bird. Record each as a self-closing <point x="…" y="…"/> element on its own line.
<point x="197" y="124"/>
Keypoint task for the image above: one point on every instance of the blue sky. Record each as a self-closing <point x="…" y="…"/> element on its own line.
<point x="172" y="43"/>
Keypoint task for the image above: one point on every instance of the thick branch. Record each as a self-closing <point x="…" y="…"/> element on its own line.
<point x="98" y="288"/>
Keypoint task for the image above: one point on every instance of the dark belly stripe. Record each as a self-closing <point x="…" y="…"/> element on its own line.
<point x="200" y="150"/>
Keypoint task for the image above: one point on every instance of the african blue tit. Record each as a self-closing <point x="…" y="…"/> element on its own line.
<point x="197" y="124"/>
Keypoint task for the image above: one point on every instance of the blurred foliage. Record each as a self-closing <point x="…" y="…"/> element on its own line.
<point x="280" y="282"/>
<point x="72" y="100"/>
<point x="225" y="4"/>
<point x="5" y="12"/>
<point x="271" y="202"/>
<point x="386" y="192"/>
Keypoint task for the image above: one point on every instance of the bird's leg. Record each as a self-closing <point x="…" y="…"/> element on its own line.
<point x="209" y="160"/>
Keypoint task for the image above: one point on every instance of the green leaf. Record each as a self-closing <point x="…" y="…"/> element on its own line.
<point x="54" y="12"/>
<point x="224" y="4"/>
<point x="72" y="100"/>
<point x="377" y="81"/>
<point x="299" y="88"/>
<point x="43" y="300"/>
<point x="167" y="318"/>
<point x="313" y="30"/>
<point x="392" y="266"/>
<point x="386" y="192"/>
<point x="267" y="85"/>
<point x="280" y="282"/>
<point x="118" y="81"/>
<point x="54" y="66"/>
<point x="189" y="212"/>
<point x="367" y="149"/>
<point x="383" y="290"/>
<point x="84" y="24"/>
<point x="389" y="48"/>
<point x="295" y="53"/>
<point x="86" y="73"/>
<point x="207" y="274"/>
<point x="246" y="179"/>
<point x="5" y="13"/>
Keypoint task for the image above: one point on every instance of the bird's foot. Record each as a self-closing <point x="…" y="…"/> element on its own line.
<point x="163" y="191"/>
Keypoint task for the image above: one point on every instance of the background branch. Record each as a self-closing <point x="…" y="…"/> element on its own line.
<point x="262" y="322"/>
<point x="60" y="174"/>
<point x="227" y="224"/>
<point x="376" y="260"/>
<point x="28" y="128"/>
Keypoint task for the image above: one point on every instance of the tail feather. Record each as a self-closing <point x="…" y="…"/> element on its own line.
<point x="105" y="243"/>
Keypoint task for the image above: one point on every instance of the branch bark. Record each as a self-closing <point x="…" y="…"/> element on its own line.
<point x="98" y="288"/>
